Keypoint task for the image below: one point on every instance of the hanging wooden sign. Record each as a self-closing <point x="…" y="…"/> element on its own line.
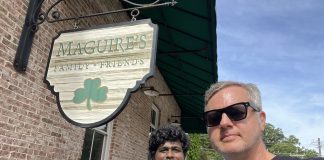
<point x="92" y="72"/>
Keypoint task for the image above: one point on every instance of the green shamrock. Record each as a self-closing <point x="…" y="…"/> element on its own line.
<point x="91" y="91"/>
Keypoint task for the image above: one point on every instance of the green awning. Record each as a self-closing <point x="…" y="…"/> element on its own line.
<point x="186" y="54"/>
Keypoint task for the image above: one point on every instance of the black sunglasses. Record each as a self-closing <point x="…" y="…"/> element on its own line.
<point x="234" y="112"/>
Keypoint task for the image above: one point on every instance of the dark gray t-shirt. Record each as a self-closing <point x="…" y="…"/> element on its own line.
<point x="294" y="158"/>
<point x="285" y="158"/>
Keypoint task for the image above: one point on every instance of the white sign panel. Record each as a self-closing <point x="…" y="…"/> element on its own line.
<point x="93" y="71"/>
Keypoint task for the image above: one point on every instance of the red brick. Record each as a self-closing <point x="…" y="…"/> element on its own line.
<point x="17" y="155"/>
<point x="3" y="11"/>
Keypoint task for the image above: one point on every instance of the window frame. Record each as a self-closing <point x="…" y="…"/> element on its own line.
<point x="154" y="126"/>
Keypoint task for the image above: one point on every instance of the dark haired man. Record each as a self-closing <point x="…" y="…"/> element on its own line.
<point x="168" y="142"/>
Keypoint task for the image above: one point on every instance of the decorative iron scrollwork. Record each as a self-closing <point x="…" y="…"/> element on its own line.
<point x="34" y="18"/>
<point x="43" y="16"/>
<point x="56" y="15"/>
<point x="140" y="5"/>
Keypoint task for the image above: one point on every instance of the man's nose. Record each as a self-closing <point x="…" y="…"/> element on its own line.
<point x="170" y="154"/>
<point x="225" y="121"/>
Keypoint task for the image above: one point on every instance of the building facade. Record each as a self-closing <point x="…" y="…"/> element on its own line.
<point x="31" y="126"/>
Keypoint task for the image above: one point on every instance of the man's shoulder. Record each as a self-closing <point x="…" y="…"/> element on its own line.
<point x="285" y="158"/>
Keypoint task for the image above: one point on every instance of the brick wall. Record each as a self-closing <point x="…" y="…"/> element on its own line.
<point x="131" y="127"/>
<point x="31" y="126"/>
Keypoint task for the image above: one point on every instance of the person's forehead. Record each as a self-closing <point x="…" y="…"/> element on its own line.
<point x="228" y="96"/>
<point x="171" y="144"/>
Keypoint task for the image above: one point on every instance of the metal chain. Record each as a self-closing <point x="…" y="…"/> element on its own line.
<point x="134" y="13"/>
<point x="76" y="24"/>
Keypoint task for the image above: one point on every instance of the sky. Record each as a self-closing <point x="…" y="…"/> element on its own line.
<point x="279" y="46"/>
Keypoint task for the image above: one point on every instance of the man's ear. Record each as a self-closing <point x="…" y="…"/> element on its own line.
<point x="262" y="118"/>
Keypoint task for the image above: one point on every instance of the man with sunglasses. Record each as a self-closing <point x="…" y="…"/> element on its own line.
<point x="235" y="121"/>
<point x="168" y="143"/>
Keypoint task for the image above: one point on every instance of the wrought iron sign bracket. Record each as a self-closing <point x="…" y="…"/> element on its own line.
<point x="34" y="18"/>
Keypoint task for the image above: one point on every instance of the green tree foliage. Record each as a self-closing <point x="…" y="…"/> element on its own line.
<point x="195" y="145"/>
<point x="310" y="153"/>
<point x="272" y="135"/>
<point x="201" y="148"/>
<point x="278" y="144"/>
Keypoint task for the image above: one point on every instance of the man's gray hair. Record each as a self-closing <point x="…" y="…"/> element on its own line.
<point x="252" y="89"/>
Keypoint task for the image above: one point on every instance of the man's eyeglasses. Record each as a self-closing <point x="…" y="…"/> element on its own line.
<point x="234" y="112"/>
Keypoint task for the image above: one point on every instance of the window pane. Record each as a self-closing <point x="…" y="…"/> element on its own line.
<point x="97" y="145"/>
<point x="151" y="129"/>
<point x="153" y="117"/>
